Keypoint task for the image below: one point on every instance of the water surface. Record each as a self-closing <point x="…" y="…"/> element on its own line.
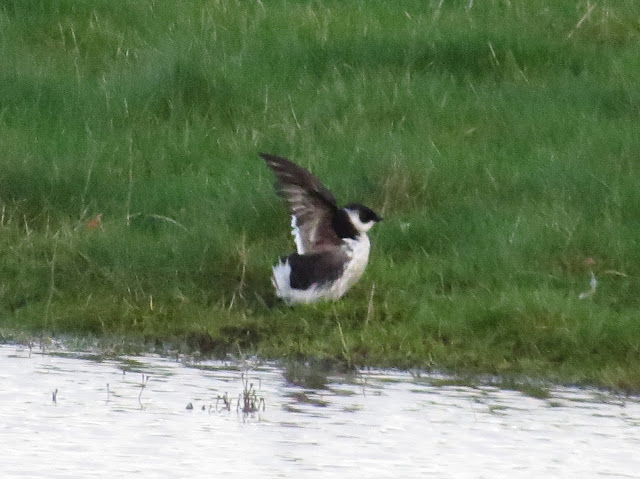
<point x="382" y="424"/>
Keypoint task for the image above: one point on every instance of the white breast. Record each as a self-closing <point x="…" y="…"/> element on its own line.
<point x="358" y="250"/>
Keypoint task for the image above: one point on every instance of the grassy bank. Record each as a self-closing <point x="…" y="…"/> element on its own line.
<point x="498" y="139"/>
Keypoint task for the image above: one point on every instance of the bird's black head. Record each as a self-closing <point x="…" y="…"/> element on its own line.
<point x="362" y="217"/>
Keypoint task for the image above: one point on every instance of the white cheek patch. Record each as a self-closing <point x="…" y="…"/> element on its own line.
<point x="354" y="216"/>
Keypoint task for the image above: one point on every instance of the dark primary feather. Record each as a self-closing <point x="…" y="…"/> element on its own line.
<point x="289" y="173"/>
<point x="313" y="205"/>
<point x="315" y="269"/>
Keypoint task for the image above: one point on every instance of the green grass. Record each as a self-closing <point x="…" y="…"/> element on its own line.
<point x="499" y="140"/>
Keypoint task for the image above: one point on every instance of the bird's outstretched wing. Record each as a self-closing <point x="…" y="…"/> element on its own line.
<point x="312" y="205"/>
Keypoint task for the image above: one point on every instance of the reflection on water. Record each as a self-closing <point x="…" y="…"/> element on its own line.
<point x="130" y="417"/>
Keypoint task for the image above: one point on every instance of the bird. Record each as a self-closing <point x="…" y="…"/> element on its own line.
<point x="331" y="241"/>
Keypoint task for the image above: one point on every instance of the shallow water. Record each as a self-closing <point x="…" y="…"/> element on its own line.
<point x="383" y="424"/>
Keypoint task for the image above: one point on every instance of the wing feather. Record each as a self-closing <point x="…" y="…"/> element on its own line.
<point x="309" y="201"/>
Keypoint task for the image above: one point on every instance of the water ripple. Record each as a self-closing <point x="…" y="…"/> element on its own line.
<point x="128" y="416"/>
